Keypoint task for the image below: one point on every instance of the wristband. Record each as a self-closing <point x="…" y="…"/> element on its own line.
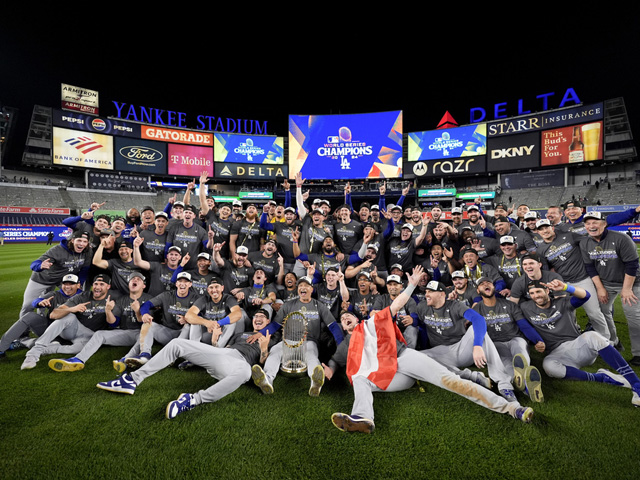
<point x="569" y="288"/>
<point x="225" y="321"/>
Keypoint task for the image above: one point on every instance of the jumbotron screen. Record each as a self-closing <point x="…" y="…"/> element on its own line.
<point x="249" y="149"/>
<point x="345" y="147"/>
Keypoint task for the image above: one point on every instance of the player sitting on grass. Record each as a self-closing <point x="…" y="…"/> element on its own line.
<point x="231" y="366"/>
<point x="568" y="348"/>
<point x="377" y="359"/>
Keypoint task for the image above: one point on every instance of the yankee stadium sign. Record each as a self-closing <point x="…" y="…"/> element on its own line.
<point x="170" y="118"/>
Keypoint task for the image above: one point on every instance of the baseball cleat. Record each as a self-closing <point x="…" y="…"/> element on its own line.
<point x="533" y="384"/>
<point x="184" y="402"/>
<point x="482" y="380"/>
<point x="119" y="365"/>
<point x="520" y="364"/>
<point x="123" y="384"/>
<point x="635" y="399"/>
<point x="614" y="378"/>
<point x="524" y="414"/>
<point x="29" y="363"/>
<point x="352" y="423"/>
<point x="137" y="362"/>
<point x="317" y="381"/>
<point x="72" y="364"/>
<point x="185" y="365"/>
<point x="508" y="395"/>
<point x="260" y="379"/>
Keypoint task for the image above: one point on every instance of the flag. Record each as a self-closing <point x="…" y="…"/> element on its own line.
<point x="372" y="349"/>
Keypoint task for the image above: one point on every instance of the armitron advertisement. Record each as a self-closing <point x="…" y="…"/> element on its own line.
<point x="346" y="146"/>
<point x="74" y="148"/>
<point x="254" y="149"/>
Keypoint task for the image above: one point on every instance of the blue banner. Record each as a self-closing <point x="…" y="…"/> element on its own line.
<point x="255" y="149"/>
<point x="33" y="233"/>
<point x="448" y="143"/>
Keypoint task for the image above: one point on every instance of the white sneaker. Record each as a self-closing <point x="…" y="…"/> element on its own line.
<point x="260" y="379"/>
<point x="635" y="400"/>
<point x="29" y="363"/>
<point x="615" y="377"/>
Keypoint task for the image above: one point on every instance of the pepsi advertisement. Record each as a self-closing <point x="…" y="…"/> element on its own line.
<point x="345" y="147"/>
<point x="448" y="143"/>
<point x="254" y="149"/>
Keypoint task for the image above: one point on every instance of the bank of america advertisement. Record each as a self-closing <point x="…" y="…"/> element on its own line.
<point x="467" y="141"/>
<point x="75" y="148"/>
<point x="343" y="147"/>
<point x="250" y="149"/>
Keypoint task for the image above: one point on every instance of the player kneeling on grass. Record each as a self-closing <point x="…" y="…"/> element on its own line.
<point x="231" y="366"/>
<point x="569" y="350"/>
<point x="125" y="319"/>
<point x="377" y="359"/>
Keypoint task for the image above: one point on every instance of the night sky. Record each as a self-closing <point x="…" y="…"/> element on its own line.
<point x="255" y="65"/>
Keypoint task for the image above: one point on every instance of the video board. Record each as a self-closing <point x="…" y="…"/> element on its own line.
<point x="346" y="147"/>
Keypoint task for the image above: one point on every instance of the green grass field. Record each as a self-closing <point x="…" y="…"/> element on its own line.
<point x="59" y="425"/>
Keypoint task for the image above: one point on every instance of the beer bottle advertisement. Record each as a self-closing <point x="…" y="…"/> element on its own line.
<point x="575" y="144"/>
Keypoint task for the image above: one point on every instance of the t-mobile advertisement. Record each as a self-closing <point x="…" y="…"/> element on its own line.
<point x="189" y="160"/>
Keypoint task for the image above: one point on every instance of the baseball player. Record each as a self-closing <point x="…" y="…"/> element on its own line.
<point x="123" y="315"/>
<point x="231" y="366"/>
<point x="568" y="349"/>
<point x="400" y="367"/>
<point x="455" y="346"/>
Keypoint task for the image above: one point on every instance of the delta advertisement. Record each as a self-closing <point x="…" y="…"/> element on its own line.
<point x="255" y="149"/>
<point x="73" y="148"/>
<point x="344" y="147"/>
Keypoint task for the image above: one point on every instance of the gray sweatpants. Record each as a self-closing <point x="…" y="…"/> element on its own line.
<point x="30" y="321"/>
<point x="115" y="338"/>
<point x="460" y="355"/>
<point x="631" y="312"/>
<point x="414" y="365"/>
<point x="67" y="327"/>
<point x="227" y="365"/>
<point x="274" y="360"/>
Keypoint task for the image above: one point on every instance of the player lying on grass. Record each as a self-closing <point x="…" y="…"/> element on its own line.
<point x="231" y="366"/>
<point x="377" y="359"/>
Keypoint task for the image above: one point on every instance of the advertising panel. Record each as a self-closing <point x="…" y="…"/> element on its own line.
<point x="437" y="192"/>
<point x="90" y="123"/>
<point x="513" y="126"/>
<point x="573" y="145"/>
<point x="140" y="156"/>
<point x="72" y="148"/>
<point x="513" y="152"/>
<point x="343" y="147"/>
<point x="187" y="137"/>
<point x="255" y="149"/>
<point x="541" y="178"/>
<point x="79" y="99"/>
<point x="239" y="171"/>
<point x="447" y="168"/>
<point x="190" y="160"/>
<point x="256" y="195"/>
<point x="36" y="210"/>
<point x="466" y="141"/>
<point x="33" y="233"/>
<point x="573" y="116"/>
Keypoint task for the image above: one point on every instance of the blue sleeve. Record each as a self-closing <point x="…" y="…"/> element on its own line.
<point x="436" y="274"/>
<point x="303" y="257"/>
<point x="578" y="302"/>
<point x="390" y="226"/>
<point x="83" y="274"/>
<point x="71" y="222"/>
<point x="400" y="201"/>
<point x="336" y="331"/>
<point x="146" y="307"/>
<point x="35" y="303"/>
<point x="415" y="318"/>
<point x="621" y="217"/>
<point x="174" y="277"/>
<point x="264" y="224"/>
<point x="167" y="246"/>
<point x="115" y="324"/>
<point x="272" y="328"/>
<point x="500" y="285"/>
<point x="479" y="326"/>
<point x="287" y="198"/>
<point x="167" y="209"/>
<point x="354" y="258"/>
<point x="527" y="329"/>
<point x="591" y="269"/>
<point x="631" y="268"/>
<point x="488" y="233"/>
<point x="35" y="265"/>
<point x="382" y="203"/>
<point x="347" y="200"/>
